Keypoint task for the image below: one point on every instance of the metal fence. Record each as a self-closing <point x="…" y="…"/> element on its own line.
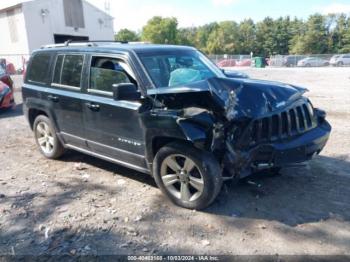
<point x="231" y="60"/>
<point x="321" y="60"/>
<point x="17" y="63"/>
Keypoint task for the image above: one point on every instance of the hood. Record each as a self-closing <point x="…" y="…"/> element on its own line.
<point x="237" y="97"/>
<point x="253" y="98"/>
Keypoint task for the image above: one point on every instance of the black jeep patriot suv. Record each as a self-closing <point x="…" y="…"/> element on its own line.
<point x="167" y="111"/>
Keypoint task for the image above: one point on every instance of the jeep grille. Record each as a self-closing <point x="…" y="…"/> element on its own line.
<point x="282" y="125"/>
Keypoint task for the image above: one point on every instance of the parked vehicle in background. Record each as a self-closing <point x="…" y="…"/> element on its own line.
<point x="226" y="63"/>
<point x="167" y="111"/>
<point x="235" y="74"/>
<point x="9" y="67"/>
<point x="244" y="62"/>
<point x="313" y="62"/>
<point x="6" y="90"/>
<point x="340" y="60"/>
<point x="292" y="60"/>
<point x="276" y="60"/>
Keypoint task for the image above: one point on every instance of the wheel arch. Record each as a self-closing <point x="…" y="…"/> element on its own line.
<point x="33" y="113"/>
<point x="188" y="131"/>
<point x="34" y="107"/>
<point x="184" y="135"/>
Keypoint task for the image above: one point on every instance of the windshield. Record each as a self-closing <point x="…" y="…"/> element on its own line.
<point x="179" y="68"/>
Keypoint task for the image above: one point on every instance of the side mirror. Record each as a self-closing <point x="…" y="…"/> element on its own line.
<point x="126" y="91"/>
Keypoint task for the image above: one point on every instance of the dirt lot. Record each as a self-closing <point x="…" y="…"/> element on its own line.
<point x="82" y="205"/>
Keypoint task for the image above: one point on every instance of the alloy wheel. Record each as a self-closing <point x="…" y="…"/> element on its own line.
<point x="181" y="177"/>
<point x="45" y="137"/>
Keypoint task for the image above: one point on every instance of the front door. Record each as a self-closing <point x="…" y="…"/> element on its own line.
<point x="112" y="127"/>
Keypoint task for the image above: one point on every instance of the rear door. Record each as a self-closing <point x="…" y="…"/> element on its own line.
<point x="65" y="97"/>
<point x="113" y="128"/>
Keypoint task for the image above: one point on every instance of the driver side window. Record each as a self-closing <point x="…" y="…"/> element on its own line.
<point x="105" y="72"/>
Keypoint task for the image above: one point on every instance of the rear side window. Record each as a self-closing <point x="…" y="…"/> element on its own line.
<point x="39" y="67"/>
<point x="68" y="70"/>
<point x="58" y="68"/>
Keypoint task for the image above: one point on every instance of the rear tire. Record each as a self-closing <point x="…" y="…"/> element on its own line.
<point x="46" y="138"/>
<point x="189" y="177"/>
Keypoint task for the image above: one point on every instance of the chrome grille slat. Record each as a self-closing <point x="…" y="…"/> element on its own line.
<point x="297" y="121"/>
<point x="289" y="124"/>
<point x="279" y="125"/>
<point x="282" y="125"/>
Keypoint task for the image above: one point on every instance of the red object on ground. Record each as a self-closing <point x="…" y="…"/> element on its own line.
<point x="6" y="92"/>
<point x="244" y="62"/>
<point x="226" y="63"/>
<point x="7" y="100"/>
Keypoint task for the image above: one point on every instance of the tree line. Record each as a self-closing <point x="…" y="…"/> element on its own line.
<point x="319" y="34"/>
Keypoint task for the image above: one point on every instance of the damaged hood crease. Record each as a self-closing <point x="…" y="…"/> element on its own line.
<point x="238" y="98"/>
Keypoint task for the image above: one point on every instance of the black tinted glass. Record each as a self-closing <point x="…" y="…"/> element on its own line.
<point x="39" y="67"/>
<point x="58" y="67"/>
<point x="71" y="71"/>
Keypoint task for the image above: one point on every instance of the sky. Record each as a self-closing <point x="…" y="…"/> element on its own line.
<point x="134" y="14"/>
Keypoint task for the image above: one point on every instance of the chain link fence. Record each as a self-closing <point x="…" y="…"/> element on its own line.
<point x="321" y="60"/>
<point x="231" y="60"/>
<point x="17" y="63"/>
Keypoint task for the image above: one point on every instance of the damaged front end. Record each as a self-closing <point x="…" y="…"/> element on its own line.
<point x="248" y="125"/>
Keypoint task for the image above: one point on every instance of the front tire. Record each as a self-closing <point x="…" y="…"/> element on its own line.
<point x="189" y="177"/>
<point x="46" y="138"/>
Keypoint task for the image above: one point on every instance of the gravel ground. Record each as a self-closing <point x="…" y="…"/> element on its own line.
<point x="82" y="205"/>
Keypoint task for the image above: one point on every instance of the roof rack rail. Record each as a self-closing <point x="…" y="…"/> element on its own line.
<point x="82" y="43"/>
<point x="88" y="43"/>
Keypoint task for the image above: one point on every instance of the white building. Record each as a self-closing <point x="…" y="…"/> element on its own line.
<point x="27" y="25"/>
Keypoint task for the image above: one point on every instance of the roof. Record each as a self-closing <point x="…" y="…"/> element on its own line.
<point x="7" y="4"/>
<point x="112" y="46"/>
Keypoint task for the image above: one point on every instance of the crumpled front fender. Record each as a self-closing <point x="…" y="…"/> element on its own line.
<point x="192" y="125"/>
<point x="193" y="132"/>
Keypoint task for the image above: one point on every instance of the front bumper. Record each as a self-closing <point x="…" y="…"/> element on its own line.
<point x="297" y="150"/>
<point x="279" y="154"/>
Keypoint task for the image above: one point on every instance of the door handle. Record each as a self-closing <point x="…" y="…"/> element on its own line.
<point x="92" y="106"/>
<point x="53" y="98"/>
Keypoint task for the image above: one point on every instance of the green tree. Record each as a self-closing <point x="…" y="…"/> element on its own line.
<point x="345" y="48"/>
<point x="127" y="35"/>
<point x="283" y="34"/>
<point x="202" y="35"/>
<point x="265" y="38"/>
<point x="159" y="30"/>
<point x="247" y="37"/>
<point x="187" y="36"/>
<point x="297" y="29"/>
<point x="339" y="34"/>
<point x="223" y="39"/>
<point x="316" y="37"/>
